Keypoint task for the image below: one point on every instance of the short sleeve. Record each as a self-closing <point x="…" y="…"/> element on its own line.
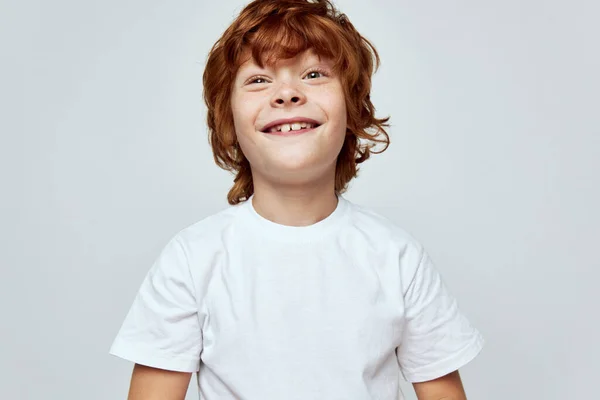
<point x="162" y="328"/>
<point x="438" y="339"/>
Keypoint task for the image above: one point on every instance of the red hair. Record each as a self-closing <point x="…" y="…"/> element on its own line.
<point x="280" y="29"/>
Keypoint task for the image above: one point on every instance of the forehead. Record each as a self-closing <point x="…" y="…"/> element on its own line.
<point x="270" y="60"/>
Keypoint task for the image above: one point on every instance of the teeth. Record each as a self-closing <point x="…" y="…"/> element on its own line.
<point x="291" y="127"/>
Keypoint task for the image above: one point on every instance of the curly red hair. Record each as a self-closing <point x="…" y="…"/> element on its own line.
<point x="280" y="29"/>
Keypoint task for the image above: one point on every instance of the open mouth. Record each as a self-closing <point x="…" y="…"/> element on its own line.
<point x="291" y="129"/>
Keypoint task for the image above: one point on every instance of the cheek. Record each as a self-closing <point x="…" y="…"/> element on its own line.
<point x="338" y="114"/>
<point x="336" y="104"/>
<point x="238" y="112"/>
<point x="244" y="112"/>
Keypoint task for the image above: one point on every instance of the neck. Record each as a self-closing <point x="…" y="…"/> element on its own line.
<point x="295" y="205"/>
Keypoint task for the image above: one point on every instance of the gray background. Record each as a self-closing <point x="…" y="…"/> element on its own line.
<point x="494" y="166"/>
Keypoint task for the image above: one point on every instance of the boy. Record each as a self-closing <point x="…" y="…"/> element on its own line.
<point x="294" y="292"/>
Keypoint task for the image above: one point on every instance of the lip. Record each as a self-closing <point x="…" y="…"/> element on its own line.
<point x="289" y="121"/>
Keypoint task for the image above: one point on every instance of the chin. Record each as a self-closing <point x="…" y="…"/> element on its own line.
<point x="292" y="166"/>
<point x="300" y="170"/>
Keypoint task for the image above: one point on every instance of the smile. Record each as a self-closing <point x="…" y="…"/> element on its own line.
<point x="295" y="128"/>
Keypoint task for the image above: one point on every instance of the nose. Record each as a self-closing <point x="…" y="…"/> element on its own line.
<point x="287" y="95"/>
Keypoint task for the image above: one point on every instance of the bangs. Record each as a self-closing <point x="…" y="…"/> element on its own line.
<point x="281" y="37"/>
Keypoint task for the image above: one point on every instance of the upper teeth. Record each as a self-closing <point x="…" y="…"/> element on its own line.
<point x="291" y="127"/>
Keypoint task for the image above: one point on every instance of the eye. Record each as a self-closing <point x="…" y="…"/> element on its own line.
<point x="256" y="79"/>
<point x="316" y="73"/>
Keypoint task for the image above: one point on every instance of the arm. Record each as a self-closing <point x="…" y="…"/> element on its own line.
<point x="438" y="339"/>
<point x="162" y="333"/>
<point x="448" y="387"/>
<point x="149" y="383"/>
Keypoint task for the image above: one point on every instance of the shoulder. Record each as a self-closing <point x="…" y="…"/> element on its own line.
<point x="381" y="228"/>
<point x="385" y="240"/>
<point x="201" y="240"/>
<point x="210" y="226"/>
<point x="389" y="246"/>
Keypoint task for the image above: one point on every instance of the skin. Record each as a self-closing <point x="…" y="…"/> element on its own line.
<point x="157" y="384"/>
<point x="448" y="387"/>
<point x="294" y="176"/>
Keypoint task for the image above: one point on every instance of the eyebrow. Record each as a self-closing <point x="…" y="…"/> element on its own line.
<point x="312" y="60"/>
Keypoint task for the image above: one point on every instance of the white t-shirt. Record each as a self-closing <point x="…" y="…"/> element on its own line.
<point x="334" y="310"/>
